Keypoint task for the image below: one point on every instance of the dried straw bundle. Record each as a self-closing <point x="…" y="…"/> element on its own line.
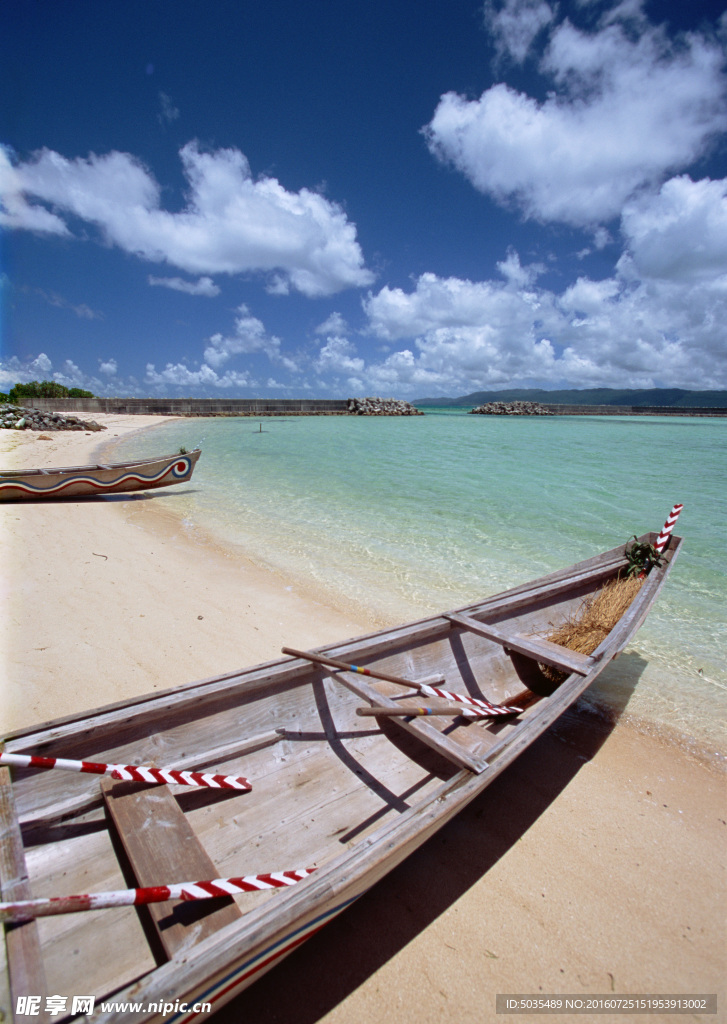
<point x="593" y="621"/>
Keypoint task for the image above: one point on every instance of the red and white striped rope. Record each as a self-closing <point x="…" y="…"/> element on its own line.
<point x="661" y="540"/>
<point x="130" y="772"/>
<point x="483" y="708"/>
<point x="22" y="910"/>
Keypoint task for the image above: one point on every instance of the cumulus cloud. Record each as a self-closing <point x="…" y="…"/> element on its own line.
<point x="657" y="321"/>
<point x="680" y="233"/>
<point x="232" y="223"/>
<point x="334" y="324"/>
<point x="249" y="337"/>
<point x="338" y="356"/>
<point x="203" y="286"/>
<point x="180" y="376"/>
<point x="626" y="107"/>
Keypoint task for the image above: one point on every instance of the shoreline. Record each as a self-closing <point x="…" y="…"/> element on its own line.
<point x="593" y="865"/>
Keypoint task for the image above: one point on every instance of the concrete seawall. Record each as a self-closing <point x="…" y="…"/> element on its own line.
<point x="304" y="407"/>
<point x="195" y="406"/>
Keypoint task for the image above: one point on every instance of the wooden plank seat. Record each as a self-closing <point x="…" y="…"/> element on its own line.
<point x="25" y="963"/>
<point x="533" y="647"/>
<point x="162" y="848"/>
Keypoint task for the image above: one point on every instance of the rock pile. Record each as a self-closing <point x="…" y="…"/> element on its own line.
<point x="381" y="407"/>
<point x="512" y="409"/>
<point x="17" y="417"/>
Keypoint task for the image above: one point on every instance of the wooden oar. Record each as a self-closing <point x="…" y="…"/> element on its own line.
<point x="23" y="910"/>
<point x="489" y="710"/>
<point x="345" y="667"/>
<point x="416" y="710"/>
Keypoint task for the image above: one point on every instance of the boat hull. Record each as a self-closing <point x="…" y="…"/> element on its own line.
<point x="83" y="481"/>
<point x="351" y="797"/>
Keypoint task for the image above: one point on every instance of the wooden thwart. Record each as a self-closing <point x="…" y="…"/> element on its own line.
<point x="534" y="647"/>
<point x="161" y="847"/>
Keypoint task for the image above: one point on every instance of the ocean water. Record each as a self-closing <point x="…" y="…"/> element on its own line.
<point x="400" y="517"/>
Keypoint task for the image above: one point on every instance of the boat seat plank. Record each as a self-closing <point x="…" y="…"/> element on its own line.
<point x="426" y="732"/>
<point x="535" y="647"/>
<point x="22" y="941"/>
<point x="162" y="848"/>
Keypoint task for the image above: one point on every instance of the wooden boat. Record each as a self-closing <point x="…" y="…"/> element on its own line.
<point x="78" y="481"/>
<point x="344" y="793"/>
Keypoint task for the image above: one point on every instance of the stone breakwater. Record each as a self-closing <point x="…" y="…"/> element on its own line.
<point x="381" y="407"/>
<point x="512" y="409"/>
<point x="17" y="417"/>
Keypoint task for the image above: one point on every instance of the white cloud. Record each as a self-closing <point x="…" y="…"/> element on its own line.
<point x="232" y="223"/>
<point x="338" y="356"/>
<point x="681" y="233"/>
<point x="203" y="286"/>
<point x="515" y="25"/>
<point x="442" y="303"/>
<point x="334" y="324"/>
<point x="626" y="109"/>
<point x="15" y="212"/>
<point x="179" y="375"/>
<point x="250" y="337"/>
<point x="109" y="367"/>
<point x="657" y="321"/>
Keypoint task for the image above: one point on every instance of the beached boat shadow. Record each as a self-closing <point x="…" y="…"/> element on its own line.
<point x="327" y="968"/>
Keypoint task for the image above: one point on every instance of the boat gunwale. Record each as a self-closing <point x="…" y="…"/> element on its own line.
<point x="60" y="471"/>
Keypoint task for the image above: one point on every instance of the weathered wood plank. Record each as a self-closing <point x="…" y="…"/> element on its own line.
<point x="542" y="650"/>
<point x="162" y="848"/>
<point x="22" y="942"/>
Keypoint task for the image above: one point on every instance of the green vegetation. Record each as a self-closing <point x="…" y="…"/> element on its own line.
<point x="44" y="389"/>
<point x="642" y="557"/>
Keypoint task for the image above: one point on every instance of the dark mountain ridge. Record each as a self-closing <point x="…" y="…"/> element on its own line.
<point x="678" y="398"/>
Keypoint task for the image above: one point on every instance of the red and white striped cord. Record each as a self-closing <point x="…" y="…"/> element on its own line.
<point x="476" y="708"/>
<point x="130" y="772"/>
<point x="662" y="539"/>
<point x="23" y="910"/>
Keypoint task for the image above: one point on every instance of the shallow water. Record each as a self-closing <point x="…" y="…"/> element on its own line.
<point x="406" y="516"/>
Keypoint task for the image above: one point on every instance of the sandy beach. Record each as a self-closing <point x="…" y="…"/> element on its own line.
<point x="593" y="866"/>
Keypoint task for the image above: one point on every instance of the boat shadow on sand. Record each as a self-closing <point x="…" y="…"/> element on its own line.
<point x="92" y="499"/>
<point x="327" y="968"/>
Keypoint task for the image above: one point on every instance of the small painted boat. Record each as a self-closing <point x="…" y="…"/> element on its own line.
<point x="79" y="481"/>
<point x="353" y="755"/>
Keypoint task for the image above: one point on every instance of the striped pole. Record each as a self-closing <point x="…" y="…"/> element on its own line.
<point x="488" y="710"/>
<point x="483" y="708"/>
<point x="663" y="538"/>
<point x="129" y="772"/>
<point x="23" y="910"/>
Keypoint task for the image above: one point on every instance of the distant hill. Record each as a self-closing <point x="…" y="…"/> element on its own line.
<point x="664" y="397"/>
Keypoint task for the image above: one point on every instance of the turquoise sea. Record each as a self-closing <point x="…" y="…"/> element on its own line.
<point x="402" y="516"/>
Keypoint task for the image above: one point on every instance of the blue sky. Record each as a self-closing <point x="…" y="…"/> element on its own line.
<point x="332" y="199"/>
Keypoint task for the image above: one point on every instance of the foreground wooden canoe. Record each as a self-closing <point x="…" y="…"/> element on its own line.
<point x="348" y="795"/>
<point x="77" y="481"/>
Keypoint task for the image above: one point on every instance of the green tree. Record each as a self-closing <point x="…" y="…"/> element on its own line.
<point x="45" y="389"/>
